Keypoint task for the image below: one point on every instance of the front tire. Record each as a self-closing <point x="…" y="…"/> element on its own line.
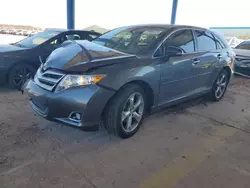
<point x="220" y="86"/>
<point x="125" y="111"/>
<point x="19" y="74"/>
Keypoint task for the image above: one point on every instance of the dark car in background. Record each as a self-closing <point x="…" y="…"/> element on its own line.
<point x="21" y="59"/>
<point x="128" y="72"/>
<point x="242" y="60"/>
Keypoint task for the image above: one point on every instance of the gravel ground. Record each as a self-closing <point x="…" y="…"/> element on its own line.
<point x="195" y="144"/>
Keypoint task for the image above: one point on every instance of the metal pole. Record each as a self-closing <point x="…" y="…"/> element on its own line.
<point x="174" y="10"/>
<point x="70" y="14"/>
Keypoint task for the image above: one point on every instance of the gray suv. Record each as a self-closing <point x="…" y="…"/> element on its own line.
<point x="128" y="72"/>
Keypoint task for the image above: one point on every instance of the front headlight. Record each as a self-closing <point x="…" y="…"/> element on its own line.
<point x="77" y="80"/>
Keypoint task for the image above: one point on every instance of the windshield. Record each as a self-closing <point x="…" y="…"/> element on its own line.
<point x="36" y="39"/>
<point x="130" y="40"/>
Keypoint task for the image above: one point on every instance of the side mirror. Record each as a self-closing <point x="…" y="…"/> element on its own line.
<point x="174" y="51"/>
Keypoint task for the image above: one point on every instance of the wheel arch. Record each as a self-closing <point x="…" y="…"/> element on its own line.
<point x="19" y="63"/>
<point x="229" y="71"/>
<point x="144" y="85"/>
<point x="147" y="89"/>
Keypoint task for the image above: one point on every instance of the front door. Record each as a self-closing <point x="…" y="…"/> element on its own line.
<point x="179" y="75"/>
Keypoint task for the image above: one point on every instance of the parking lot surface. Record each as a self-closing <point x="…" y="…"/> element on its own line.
<point x="195" y="144"/>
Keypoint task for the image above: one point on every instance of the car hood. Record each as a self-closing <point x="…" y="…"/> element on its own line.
<point x="241" y="52"/>
<point x="10" y="48"/>
<point x="83" y="55"/>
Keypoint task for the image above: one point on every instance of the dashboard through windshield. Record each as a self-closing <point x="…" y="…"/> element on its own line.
<point x="36" y="39"/>
<point x="130" y="40"/>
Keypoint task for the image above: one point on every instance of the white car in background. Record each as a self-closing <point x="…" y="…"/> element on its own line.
<point x="233" y="41"/>
<point x="20" y="32"/>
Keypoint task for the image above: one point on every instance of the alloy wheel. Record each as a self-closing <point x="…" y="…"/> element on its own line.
<point x="221" y="85"/>
<point x="21" y="75"/>
<point x="132" y="112"/>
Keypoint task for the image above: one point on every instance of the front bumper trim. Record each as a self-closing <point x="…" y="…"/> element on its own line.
<point x="69" y="122"/>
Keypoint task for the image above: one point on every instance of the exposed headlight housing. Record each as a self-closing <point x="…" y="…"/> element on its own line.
<point x="78" y="80"/>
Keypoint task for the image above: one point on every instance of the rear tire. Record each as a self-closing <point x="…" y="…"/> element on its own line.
<point x="19" y="74"/>
<point x="220" y="86"/>
<point x="125" y="111"/>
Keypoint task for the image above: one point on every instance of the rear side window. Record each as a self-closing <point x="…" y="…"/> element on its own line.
<point x="205" y="41"/>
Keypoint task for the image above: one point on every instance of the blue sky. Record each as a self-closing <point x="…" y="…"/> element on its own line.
<point x="115" y="13"/>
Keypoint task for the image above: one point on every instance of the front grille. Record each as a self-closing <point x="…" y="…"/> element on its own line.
<point x="48" y="79"/>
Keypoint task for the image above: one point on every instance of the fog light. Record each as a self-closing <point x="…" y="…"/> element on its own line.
<point x="75" y="116"/>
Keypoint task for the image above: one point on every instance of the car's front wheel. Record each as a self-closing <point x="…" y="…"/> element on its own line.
<point x="125" y="111"/>
<point x="220" y="86"/>
<point x="19" y="74"/>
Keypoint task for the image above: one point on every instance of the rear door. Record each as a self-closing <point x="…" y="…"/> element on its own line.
<point x="209" y="54"/>
<point x="179" y="76"/>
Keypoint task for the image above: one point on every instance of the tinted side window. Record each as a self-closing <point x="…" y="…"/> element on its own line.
<point x="182" y="39"/>
<point x="205" y="41"/>
<point x="73" y="37"/>
<point x="59" y="40"/>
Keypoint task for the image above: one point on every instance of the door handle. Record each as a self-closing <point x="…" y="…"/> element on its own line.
<point x="196" y="61"/>
<point x="219" y="56"/>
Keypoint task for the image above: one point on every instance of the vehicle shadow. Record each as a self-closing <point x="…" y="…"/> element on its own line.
<point x="6" y="89"/>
